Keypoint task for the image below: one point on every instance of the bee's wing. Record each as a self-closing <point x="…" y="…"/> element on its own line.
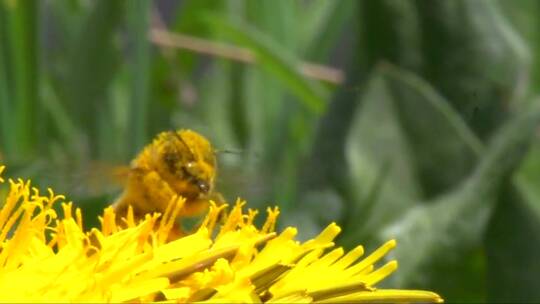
<point x="120" y="174"/>
<point x="95" y="178"/>
<point x="236" y="181"/>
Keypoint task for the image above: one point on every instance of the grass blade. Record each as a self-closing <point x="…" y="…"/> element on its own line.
<point x="138" y="19"/>
<point x="272" y="58"/>
<point x="22" y="37"/>
<point x="91" y="66"/>
<point x="8" y="137"/>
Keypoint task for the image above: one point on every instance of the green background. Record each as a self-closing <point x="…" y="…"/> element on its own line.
<point x="431" y="137"/>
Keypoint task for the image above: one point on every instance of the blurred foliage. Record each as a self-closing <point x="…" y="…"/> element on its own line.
<point x="426" y="140"/>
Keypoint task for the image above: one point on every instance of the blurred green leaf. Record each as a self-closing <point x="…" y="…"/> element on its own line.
<point x="358" y="215"/>
<point x="118" y="113"/>
<point x="428" y="121"/>
<point x="524" y="16"/>
<point x="480" y="70"/>
<point x="375" y="139"/>
<point x="276" y="19"/>
<point x="92" y="63"/>
<point x="432" y="137"/>
<point x="7" y="137"/>
<point x="67" y="18"/>
<point x="324" y="22"/>
<point x="138" y="12"/>
<point x="61" y="119"/>
<point x="512" y="239"/>
<point x="186" y="21"/>
<point x="382" y="32"/>
<point x="22" y="59"/>
<point x="443" y="153"/>
<point x="276" y="114"/>
<point x="528" y="177"/>
<point x="238" y="107"/>
<point x="513" y="243"/>
<point x="281" y="122"/>
<point x="438" y="137"/>
<point x="215" y="120"/>
<point x="389" y="31"/>
<point x="442" y="230"/>
<point x="272" y="58"/>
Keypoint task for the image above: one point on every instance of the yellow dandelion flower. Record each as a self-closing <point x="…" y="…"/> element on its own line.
<point x="47" y="257"/>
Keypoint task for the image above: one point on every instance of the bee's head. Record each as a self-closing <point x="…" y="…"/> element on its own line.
<point x="190" y="157"/>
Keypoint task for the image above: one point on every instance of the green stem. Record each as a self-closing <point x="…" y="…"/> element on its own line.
<point x="139" y="11"/>
<point x="22" y="37"/>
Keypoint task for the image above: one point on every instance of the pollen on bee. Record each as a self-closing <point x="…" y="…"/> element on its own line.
<point x="176" y="164"/>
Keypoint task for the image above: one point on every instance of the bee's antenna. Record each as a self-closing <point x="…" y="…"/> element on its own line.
<point x="228" y="151"/>
<point x="236" y="152"/>
<point x="183" y="142"/>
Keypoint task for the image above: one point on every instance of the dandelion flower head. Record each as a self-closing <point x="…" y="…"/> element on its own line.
<point x="49" y="257"/>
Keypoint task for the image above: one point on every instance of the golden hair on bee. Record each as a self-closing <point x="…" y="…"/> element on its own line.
<point x="176" y="163"/>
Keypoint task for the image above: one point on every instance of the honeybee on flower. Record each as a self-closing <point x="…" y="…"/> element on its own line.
<point x="176" y="164"/>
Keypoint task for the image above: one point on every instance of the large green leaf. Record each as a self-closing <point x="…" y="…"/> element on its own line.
<point x="524" y="17"/>
<point x="385" y="30"/>
<point x="443" y="153"/>
<point x="443" y="230"/>
<point x="375" y="140"/>
<point x="438" y="137"/>
<point x="513" y="247"/>
<point x="437" y="149"/>
<point x="512" y="241"/>
<point x="480" y="70"/>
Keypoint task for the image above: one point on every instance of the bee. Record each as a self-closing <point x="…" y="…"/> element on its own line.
<point x="176" y="163"/>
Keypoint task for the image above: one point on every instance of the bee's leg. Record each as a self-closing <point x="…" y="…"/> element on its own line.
<point x="121" y="206"/>
<point x="197" y="207"/>
<point x="147" y="193"/>
<point x="217" y="198"/>
<point x="194" y="207"/>
<point x="159" y="196"/>
<point x="134" y="195"/>
<point x="176" y="233"/>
